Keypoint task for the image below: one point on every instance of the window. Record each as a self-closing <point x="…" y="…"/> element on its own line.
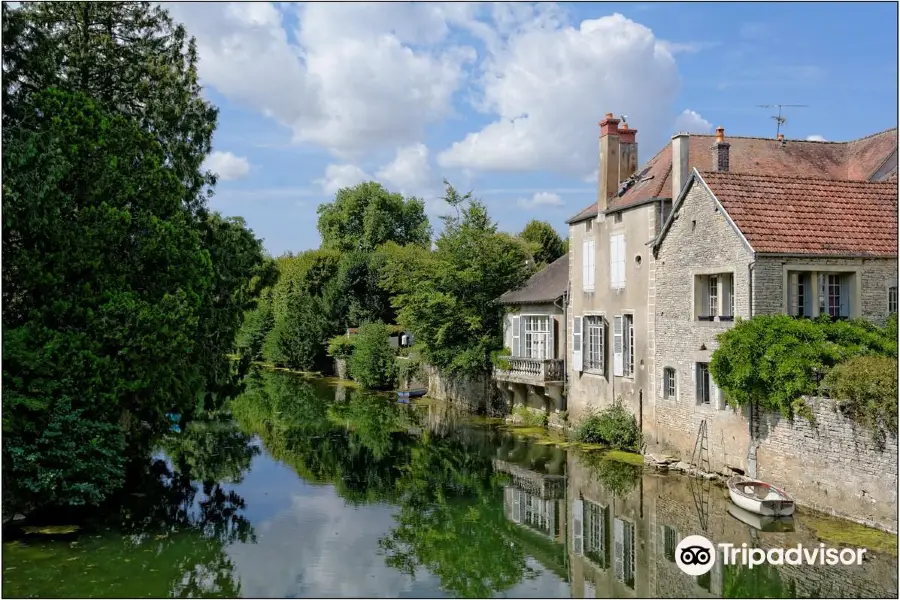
<point x="577" y="344"/>
<point x="892" y="299"/>
<point x="670" y="543"/>
<point x="714" y="297"/>
<point x="617" y="218"/>
<point x="834" y="295"/>
<point x="623" y="346"/>
<point x="703" y="381"/>
<point x="811" y="294"/>
<point x="617" y="261"/>
<point x="595" y="344"/>
<point x="538" y="337"/>
<point x="624" y="553"/>
<point x="588" y="226"/>
<point x="596" y="534"/>
<point x="800" y="294"/>
<point x="578" y="527"/>
<point x="669" y="383"/>
<point x="629" y="345"/>
<point x="587" y="264"/>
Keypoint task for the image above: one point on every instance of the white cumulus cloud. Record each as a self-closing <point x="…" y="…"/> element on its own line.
<point x="690" y="121"/>
<point x="409" y="172"/>
<point x="548" y="84"/>
<point x="816" y="138"/>
<point x="541" y="199"/>
<point x="351" y="78"/>
<point x="227" y="165"/>
<point x="341" y="176"/>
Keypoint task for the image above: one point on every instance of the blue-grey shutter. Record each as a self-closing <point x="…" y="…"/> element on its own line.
<point x="846" y="282"/>
<point x="516" y="336"/>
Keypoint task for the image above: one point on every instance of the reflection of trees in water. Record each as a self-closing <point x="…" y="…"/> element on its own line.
<point x="168" y="539"/>
<point x="617" y="477"/>
<point x="451" y="519"/>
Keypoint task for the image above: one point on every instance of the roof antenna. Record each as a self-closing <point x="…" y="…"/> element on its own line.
<point x="779" y="119"/>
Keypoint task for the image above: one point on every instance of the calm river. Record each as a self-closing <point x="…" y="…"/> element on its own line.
<point x="312" y="489"/>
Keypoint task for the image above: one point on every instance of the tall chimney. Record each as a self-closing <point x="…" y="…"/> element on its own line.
<point x="609" y="161"/>
<point x="628" y="155"/>
<point x="680" y="162"/>
<point x="720" y="151"/>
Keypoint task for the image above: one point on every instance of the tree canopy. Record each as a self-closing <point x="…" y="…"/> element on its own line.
<point x="122" y="294"/>
<point x="447" y="298"/>
<point x="543" y="241"/>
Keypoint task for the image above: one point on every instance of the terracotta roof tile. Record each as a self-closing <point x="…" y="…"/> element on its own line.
<point x="802" y="215"/>
<point x="855" y="160"/>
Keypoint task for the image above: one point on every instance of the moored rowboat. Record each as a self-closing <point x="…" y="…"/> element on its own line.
<point x="759" y="497"/>
<point x="405" y="395"/>
<point x="760" y="522"/>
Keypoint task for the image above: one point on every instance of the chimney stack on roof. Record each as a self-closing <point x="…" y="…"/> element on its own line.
<point x="608" y="183"/>
<point x="720" y="151"/>
<point x="681" y="144"/>
<point x="628" y="156"/>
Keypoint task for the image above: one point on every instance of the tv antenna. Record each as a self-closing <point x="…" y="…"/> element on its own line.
<point x="779" y="118"/>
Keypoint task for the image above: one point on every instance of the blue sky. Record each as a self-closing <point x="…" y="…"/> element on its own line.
<point x="505" y="99"/>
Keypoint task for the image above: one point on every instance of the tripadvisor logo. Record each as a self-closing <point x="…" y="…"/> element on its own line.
<point x="695" y="555"/>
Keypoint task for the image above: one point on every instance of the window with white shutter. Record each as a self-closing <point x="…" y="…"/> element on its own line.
<point x="577" y="344"/>
<point x="618" y="346"/>
<point x="714" y="297"/>
<point x="588" y="263"/>
<point x="516" y="349"/>
<point x="617" y="261"/>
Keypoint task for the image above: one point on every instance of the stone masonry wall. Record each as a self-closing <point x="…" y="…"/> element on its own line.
<point x="472" y="393"/>
<point x="832" y="465"/>
<point x="699" y="241"/>
<point x="876" y="275"/>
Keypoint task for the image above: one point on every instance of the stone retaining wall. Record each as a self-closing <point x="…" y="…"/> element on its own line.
<point x="833" y="465"/>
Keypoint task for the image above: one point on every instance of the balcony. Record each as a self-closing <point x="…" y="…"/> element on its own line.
<point x="533" y="371"/>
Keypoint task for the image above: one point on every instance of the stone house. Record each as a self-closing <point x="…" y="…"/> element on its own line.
<point x="739" y="245"/>
<point x="614" y="276"/>
<point x="534" y="330"/>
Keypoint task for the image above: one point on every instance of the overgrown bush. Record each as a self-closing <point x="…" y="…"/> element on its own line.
<point x="614" y="426"/>
<point x="500" y="359"/>
<point x="372" y="363"/>
<point x="773" y="361"/>
<point x="865" y="389"/>
<point x="340" y="346"/>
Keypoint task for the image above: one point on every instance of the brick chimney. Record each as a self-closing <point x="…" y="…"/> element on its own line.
<point x="628" y="155"/>
<point x="720" y="151"/>
<point x="681" y="145"/>
<point x="609" y="161"/>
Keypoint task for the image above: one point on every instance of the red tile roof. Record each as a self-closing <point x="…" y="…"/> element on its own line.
<point x="854" y="160"/>
<point x="805" y="215"/>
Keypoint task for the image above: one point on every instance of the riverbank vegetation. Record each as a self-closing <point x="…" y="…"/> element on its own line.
<point x="122" y="293"/>
<point x="614" y="427"/>
<point x="377" y="263"/>
<point x="775" y="361"/>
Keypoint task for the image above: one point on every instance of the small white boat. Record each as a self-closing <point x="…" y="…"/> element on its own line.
<point x="760" y="497"/>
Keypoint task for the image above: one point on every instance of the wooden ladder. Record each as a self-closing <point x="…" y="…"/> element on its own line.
<point x="700" y="455"/>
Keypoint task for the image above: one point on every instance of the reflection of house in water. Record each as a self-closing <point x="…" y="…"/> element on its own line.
<point x="623" y="545"/>
<point x="537" y="503"/>
<point x="535" y="500"/>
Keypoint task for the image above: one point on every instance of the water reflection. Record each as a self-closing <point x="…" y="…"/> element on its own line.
<point x="317" y="490"/>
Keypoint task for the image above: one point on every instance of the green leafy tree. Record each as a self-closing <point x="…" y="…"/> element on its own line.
<point x="364" y="217"/>
<point x="257" y="324"/>
<point x="104" y="277"/>
<point x="372" y="361"/>
<point x="543" y="241"/>
<point x="130" y="57"/>
<point x="447" y="298"/>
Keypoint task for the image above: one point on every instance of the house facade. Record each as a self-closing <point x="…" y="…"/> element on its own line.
<point x="767" y="245"/>
<point x="534" y="331"/>
<point x="651" y="286"/>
